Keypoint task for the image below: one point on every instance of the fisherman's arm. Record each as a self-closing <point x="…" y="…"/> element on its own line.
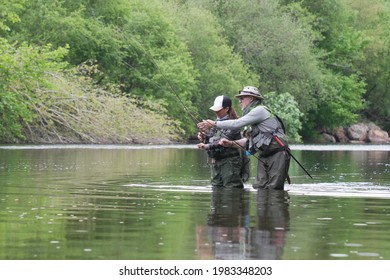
<point x="257" y="115"/>
<point x="240" y="143"/>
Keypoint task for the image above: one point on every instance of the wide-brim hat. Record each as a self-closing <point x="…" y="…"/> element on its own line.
<point x="221" y="102"/>
<point x="250" y="91"/>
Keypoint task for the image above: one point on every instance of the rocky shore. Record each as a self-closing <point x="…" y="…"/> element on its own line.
<point x="357" y="133"/>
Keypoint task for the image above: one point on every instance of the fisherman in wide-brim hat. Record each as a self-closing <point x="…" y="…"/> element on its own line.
<point x="249" y="91"/>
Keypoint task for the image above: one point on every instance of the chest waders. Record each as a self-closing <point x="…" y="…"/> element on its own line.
<point x="275" y="144"/>
<point x="226" y="162"/>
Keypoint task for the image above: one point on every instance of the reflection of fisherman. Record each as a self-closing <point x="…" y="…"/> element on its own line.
<point x="226" y="162"/>
<point x="231" y="233"/>
<point x="227" y="224"/>
<point x="265" y="130"/>
<point x="268" y="238"/>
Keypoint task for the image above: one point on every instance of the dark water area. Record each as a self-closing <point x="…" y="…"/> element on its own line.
<point x="155" y="202"/>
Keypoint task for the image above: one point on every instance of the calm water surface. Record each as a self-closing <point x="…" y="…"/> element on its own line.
<point x="155" y="202"/>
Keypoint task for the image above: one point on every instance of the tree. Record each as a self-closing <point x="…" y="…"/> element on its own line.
<point x="22" y="70"/>
<point x="135" y="47"/>
<point x="339" y="46"/>
<point x="9" y="10"/>
<point x="373" y="19"/>
<point x="285" y="106"/>
<point x="43" y="100"/>
<point x="275" y="46"/>
<point x="220" y="70"/>
<point x="304" y="48"/>
<point x="323" y="53"/>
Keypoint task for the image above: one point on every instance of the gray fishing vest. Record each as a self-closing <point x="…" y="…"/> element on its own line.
<point x="262" y="132"/>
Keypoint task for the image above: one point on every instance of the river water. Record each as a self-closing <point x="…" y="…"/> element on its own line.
<point x="110" y="202"/>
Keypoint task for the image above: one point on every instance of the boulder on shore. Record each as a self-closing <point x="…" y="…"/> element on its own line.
<point x="378" y="136"/>
<point x="358" y="133"/>
<point x="340" y="135"/>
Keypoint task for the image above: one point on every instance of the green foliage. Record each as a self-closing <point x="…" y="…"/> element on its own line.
<point x="77" y="111"/>
<point x="373" y="19"/>
<point x="158" y="65"/>
<point x="285" y="106"/>
<point x="327" y="54"/>
<point x="220" y="70"/>
<point x="275" y="46"/>
<point x="40" y="104"/>
<point x="22" y="71"/>
<point x="341" y="41"/>
<point x="88" y="38"/>
<point x="343" y="101"/>
<point x="9" y="10"/>
<point x="340" y="45"/>
<point x="278" y="42"/>
<point x="133" y="43"/>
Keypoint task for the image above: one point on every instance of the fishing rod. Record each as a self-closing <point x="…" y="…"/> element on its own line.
<point x="186" y="109"/>
<point x="193" y="118"/>
<point x="281" y="144"/>
<point x="196" y="121"/>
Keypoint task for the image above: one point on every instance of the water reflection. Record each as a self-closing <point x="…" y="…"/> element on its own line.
<point x="233" y="233"/>
<point x="103" y="202"/>
<point x="227" y="225"/>
<point x="267" y="238"/>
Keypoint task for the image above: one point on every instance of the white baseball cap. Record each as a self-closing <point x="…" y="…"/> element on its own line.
<point x="221" y="102"/>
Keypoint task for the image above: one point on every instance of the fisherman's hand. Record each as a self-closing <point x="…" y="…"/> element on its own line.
<point x="201" y="136"/>
<point x="226" y="143"/>
<point x="202" y="146"/>
<point x="206" y="124"/>
<point x="246" y="132"/>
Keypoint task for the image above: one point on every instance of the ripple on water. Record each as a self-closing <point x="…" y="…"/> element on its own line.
<point x="338" y="255"/>
<point x="360" y="224"/>
<point x="367" y="254"/>
<point x="353" y="245"/>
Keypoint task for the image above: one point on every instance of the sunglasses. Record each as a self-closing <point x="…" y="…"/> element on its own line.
<point x="241" y="98"/>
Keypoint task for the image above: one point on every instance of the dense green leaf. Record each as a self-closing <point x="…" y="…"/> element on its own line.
<point x="173" y="57"/>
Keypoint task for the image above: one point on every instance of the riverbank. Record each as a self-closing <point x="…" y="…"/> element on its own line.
<point x="364" y="132"/>
<point x="358" y="133"/>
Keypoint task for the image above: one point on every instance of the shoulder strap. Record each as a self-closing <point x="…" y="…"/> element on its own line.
<point x="281" y="123"/>
<point x="278" y="118"/>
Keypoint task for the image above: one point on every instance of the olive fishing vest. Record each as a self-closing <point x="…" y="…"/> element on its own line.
<point x="217" y="151"/>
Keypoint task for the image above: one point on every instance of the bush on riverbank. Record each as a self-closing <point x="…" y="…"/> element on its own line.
<point x="41" y="102"/>
<point x="76" y="111"/>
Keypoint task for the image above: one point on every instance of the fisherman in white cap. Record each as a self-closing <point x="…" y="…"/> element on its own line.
<point x="225" y="160"/>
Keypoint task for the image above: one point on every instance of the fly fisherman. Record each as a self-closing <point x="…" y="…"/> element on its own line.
<point x="264" y="135"/>
<point x="225" y="160"/>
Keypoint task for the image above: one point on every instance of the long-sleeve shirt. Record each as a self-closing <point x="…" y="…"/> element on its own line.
<point x="263" y="125"/>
